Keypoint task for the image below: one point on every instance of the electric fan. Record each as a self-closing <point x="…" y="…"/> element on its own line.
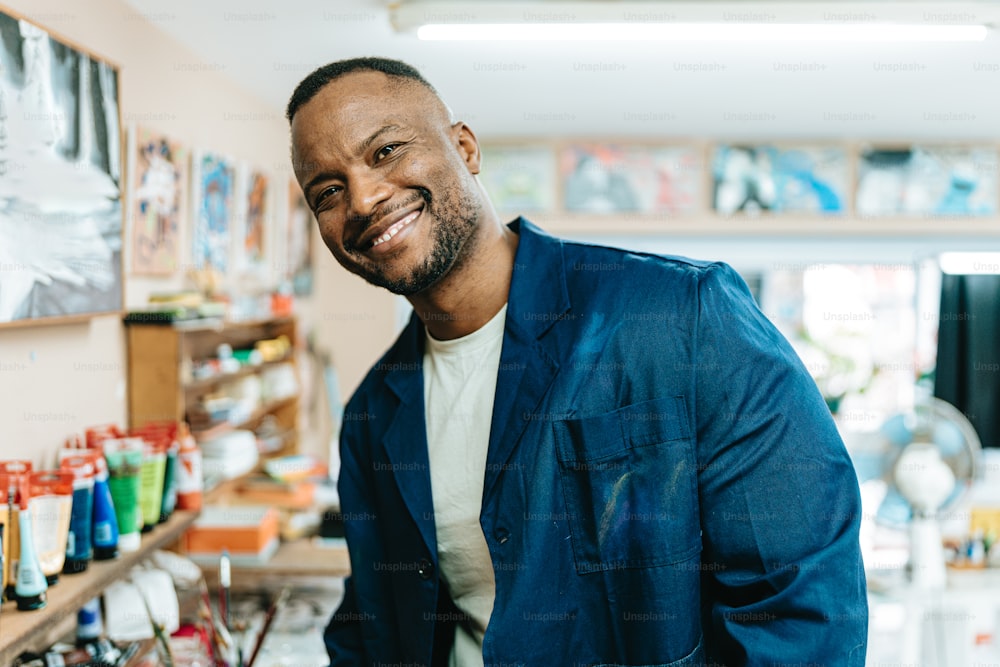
<point x="932" y="460"/>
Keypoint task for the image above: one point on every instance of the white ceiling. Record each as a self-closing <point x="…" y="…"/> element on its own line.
<point x="693" y="90"/>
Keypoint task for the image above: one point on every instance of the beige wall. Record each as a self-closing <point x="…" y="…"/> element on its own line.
<point x="57" y="379"/>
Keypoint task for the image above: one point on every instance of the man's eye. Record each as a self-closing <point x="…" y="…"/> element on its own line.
<point x="325" y="194"/>
<point x="385" y="151"/>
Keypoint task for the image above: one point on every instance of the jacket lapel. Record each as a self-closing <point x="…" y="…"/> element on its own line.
<point x="528" y="361"/>
<point x="405" y="440"/>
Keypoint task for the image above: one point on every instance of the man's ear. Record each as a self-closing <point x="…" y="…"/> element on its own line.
<point x="468" y="146"/>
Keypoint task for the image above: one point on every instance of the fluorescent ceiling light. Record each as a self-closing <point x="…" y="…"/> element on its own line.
<point x="702" y="32"/>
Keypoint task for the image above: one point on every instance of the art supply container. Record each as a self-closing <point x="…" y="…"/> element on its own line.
<point x="11" y="472"/>
<point x="169" y="502"/>
<point x="189" y="471"/>
<point x="165" y="435"/>
<point x="103" y="521"/>
<point x="51" y="493"/>
<point x="79" y="548"/>
<point x="29" y="586"/>
<point x="154" y="464"/>
<point x="124" y="457"/>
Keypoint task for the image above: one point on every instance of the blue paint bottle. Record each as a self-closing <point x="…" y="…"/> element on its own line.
<point x="105" y="523"/>
<point x="79" y="548"/>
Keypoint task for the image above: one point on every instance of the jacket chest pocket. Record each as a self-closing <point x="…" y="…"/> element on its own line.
<point x="629" y="480"/>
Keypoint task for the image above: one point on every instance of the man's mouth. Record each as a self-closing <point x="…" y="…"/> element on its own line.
<point x="395" y="229"/>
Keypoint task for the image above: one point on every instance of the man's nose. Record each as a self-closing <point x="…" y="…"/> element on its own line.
<point x="367" y="193"/>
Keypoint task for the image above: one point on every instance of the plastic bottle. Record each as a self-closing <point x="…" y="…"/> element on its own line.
<point x="10" y="523"/>
<point x="151" y="475"/>
<point x="169" y="501"/>
<point x="51" y="493"/>
<point x="189" y="480"/>
<point x="124" y="458"/>
<point x="30" y="586"/>
<point x="79" y="546"/>
<point x="89" y="625"/>
<point x="162" y="436"/>
<point x="5" y="533"/>
<point x="105" y="523"/>
<point x="12" y="471"/>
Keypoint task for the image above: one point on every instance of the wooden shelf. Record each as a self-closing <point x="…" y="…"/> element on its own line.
<point x="35" y="630"/>
<point x="217" y="323"/>
<point x="202" y="384"/>
<point x="803" y="226"/>
<point x="298" y="558"/>
<point x="157" y="390"/>
<point x="258" y="414"/>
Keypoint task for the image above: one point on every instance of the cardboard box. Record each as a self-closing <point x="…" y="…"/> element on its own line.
<point x="245" y="531"/>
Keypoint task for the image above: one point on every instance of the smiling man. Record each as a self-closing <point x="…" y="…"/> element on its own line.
<point x="573" y="454"/>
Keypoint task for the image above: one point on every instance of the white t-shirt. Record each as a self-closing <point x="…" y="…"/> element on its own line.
<point x="460" y="379"/>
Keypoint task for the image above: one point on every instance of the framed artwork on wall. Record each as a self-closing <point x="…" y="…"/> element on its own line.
<point x="61" y="192"/>
<point x="623" y="178"/>
<point x="255" y="216"/>
<point x="520" y="179"/>
<point x="213" y="184"/>
<point x="298" y="243"/>
<point x="927" y="181"/>
<point x="750" y="179"/>
<point x="158" y="198"/>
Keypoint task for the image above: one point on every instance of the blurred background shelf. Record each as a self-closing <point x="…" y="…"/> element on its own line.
<point x="298" y="559"/>
<point x="160" y="387"/>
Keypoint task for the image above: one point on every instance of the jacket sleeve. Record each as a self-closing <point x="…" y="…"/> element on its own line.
<point x="783" y="581"/>
<point x="343" y="634"/>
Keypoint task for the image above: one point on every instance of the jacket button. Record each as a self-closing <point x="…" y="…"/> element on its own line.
<point x="425" y="568"/>
<point x="502" y="535"/>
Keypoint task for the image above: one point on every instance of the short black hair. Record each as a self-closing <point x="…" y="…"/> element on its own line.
<point x="312" y="84"/>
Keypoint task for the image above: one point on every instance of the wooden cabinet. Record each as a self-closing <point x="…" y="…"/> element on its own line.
<point x="164" y="383"/>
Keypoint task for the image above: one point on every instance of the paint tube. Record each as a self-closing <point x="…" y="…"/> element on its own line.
<point x="79" y="548"/>
<point x="51" y="494"/>
<point x="124" y="457"/>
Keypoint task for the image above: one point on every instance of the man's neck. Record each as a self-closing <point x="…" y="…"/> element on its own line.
<point x="472" y="292"/>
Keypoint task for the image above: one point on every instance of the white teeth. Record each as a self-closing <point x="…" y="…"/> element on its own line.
<point x="395" y="229"/>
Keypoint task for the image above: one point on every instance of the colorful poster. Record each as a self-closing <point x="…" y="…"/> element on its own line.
<point x="257" y="202"/>
<point x="214" y="182"/>
<point x="299" y="241"/>
<point x="60" y="179"/>
<point x="159" y="195"/>
<point x="929" y="181"/>
<point x="600" y="178"/>
<point x="791" y="179"/>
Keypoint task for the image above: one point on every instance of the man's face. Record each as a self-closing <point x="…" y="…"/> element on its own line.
<point x="390" y="180"/>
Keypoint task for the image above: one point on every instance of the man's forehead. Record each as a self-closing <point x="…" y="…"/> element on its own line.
<point x="349" y="109"/>
<point x="368" y="87"/>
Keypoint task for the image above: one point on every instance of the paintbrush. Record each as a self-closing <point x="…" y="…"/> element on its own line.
<point x="271" y="611"/>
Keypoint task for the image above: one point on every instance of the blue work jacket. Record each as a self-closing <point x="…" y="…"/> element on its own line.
<point x="664" y="485"/>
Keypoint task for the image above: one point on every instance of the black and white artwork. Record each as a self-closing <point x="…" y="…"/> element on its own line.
<point x="60" y="179"/>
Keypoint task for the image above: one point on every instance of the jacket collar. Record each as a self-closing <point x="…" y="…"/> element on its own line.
<point x="538" y="298"/>
<point x="538" y="291"/>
